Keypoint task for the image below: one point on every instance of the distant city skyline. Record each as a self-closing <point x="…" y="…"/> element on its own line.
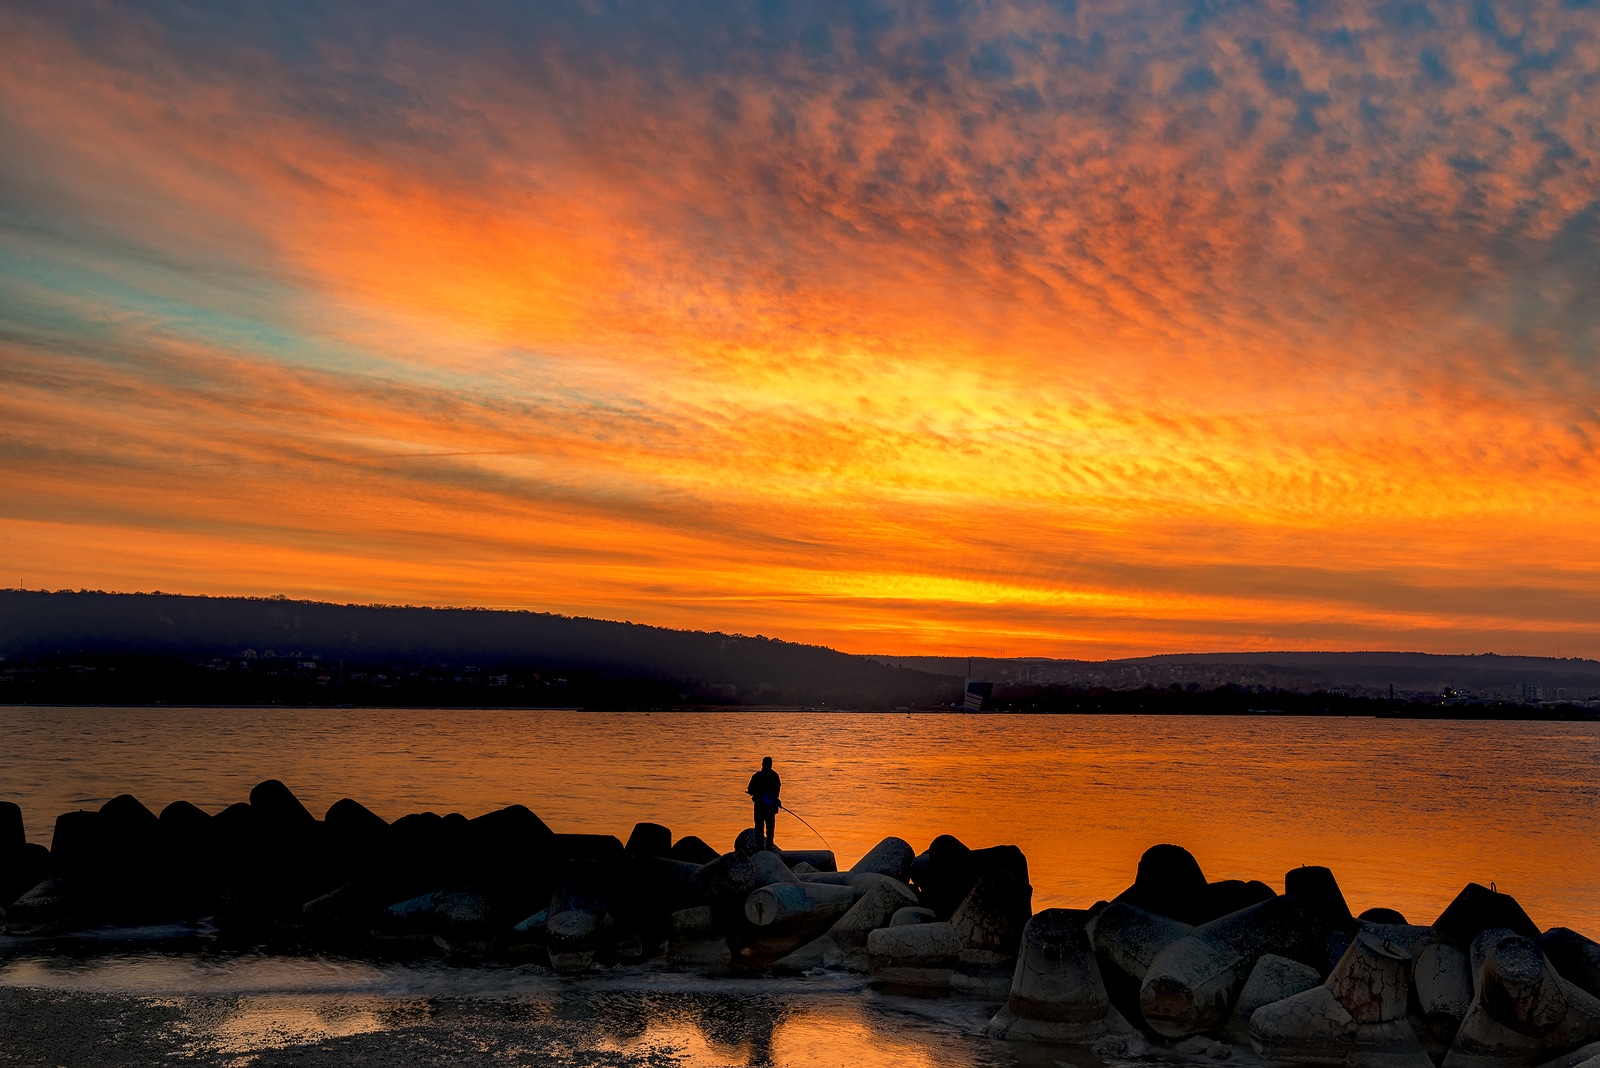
<point x="1073" y="330"/>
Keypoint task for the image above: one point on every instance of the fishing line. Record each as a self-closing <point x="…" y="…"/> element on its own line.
<point x="802" y="819"/>
<point x="785" y="808"/>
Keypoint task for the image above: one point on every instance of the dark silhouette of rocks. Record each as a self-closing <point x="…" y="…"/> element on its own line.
<point x="1294" y="975"/>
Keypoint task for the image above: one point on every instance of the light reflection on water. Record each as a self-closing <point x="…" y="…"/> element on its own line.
<point x="233" y="1010"/>
<point x="1405" y="812"/>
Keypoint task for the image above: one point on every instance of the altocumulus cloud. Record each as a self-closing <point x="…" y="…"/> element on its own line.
<point x="1025" y="327"/>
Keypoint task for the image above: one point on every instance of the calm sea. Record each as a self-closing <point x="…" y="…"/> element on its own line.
<point x="1405" y="813"/>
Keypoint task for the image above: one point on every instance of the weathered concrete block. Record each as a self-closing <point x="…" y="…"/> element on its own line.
<point x="832" y="878"/>
<point x="725" y="878"/>
<point x="983" y="973"/>
<point x="1126" y="939"/>
<point x="279" y="808"/>
<point x="749" y="842"/>
<point x="1192" y="984"/>
<point x="914" y="955"/>
<point x="994" y="913"/>
<point x="1129" y="938"/>
<point x="770" y="868"/>
<point x="24" y="869"/>
<point x="1274" y="978"/>
<point x="786" y="904"/>
<point x="1524" y="1011"/>
<point x="880" y="899"/>
<point x="820" y="859"/>
<point x="693" y="850"/>
<point x="49" y="908"/>
<point x="891" y="857"/>
<point x="1381" y="915"/>
<point x="649" y="840"/>
<point x="12" y="834"/>
<point x="820" y="952"/>
<point x="1310" y="1027"/>
<point x="695" y="941"/>
<point x="1477" y="909"/>
<point x="1577" y="958"/>
<point x="912" y="915"/>
<point x="572" y="938"/>
<point x="596" y="848"/>
<point x="1371" y="979"/>
<point x="1169" y="883"/>
<point x="463" y="924"/>
<point x="1320" y="898"/>
<point x="1586" y="1056"/>
<point x="1056" y="991"/>
<point x="1230" y="895"/>
<point x="1370" y="986"/>
<point x="1442" y="976"/>
<point x="1389" y="1044"/>
<point x="943" y="873"/>
<point x="1319" y="894"/>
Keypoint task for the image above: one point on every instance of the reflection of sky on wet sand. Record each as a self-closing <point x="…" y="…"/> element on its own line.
<point x="256" y="1024"/>
<point x="263" y="1010"/>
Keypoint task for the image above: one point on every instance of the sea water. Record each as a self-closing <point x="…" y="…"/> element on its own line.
<point x="1404" y="812"/>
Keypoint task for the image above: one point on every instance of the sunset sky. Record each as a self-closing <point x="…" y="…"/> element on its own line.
<point x="1069" y="329"/>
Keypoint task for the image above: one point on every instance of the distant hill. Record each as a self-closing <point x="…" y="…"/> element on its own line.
<point x="443" y="642"/>
<point x="91" y="647"/>
<point x="1360" y="672"/>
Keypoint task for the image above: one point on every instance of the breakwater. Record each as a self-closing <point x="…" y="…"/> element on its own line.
<point x="1174" y="961"/>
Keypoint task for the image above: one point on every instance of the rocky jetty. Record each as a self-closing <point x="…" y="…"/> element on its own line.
<point x="1174" y="963"/>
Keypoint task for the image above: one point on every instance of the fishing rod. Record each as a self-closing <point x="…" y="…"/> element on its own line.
<point x="807" y="823"/>
<point x="802" y="819"/>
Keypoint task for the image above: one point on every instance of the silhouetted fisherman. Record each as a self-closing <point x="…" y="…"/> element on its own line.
<point x="763" y="790"/>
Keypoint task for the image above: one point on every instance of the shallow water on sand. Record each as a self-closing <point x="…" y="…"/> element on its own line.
<point x="235" y="1011"/>
<point x="1404" y="812"/>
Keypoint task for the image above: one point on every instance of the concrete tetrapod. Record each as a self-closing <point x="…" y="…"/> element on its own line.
<point x="845" y="942"/>
<point x="1127" y="939"/>
<point x="912" y="915"/>
<point x="463" y="924"/>
<point x="882" y="896"/>
<point x="1443" y="980"/>
<point x="769" y="868"/>
<point x="1577" y="958"/>
<point x="1356" y="1018"/>
<point x="820" y="859"/>
<point x="923" y="954"/>
<point x="48" y="908"/>
<point x="993" y="914"/>
<point x="572" y="937"/>
<point x="1056" y="991"/>
<point x="1169" y="883"/>
<point x="1193" y="983"/>
<point x="695" y="941"/>
<point x="785" y="903"/>
<point x="891" y="857"/>
<point x="1523" y="1012"/>
<point x="821" y="952"/>
<point x="1272" y="979"/>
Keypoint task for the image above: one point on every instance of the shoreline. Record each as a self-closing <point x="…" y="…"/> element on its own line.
<point x="1497" y="713"/>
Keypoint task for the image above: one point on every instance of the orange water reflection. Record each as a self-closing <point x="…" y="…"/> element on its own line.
<point x="1404" y="812"/>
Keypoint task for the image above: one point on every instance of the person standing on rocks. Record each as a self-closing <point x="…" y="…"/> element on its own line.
<point x="763" y="790"/>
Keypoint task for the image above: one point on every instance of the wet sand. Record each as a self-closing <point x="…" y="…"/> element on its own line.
<point x="309" y="1011"/>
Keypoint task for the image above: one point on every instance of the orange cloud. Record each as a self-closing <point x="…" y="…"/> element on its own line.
<point x="1046" y="333"/>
